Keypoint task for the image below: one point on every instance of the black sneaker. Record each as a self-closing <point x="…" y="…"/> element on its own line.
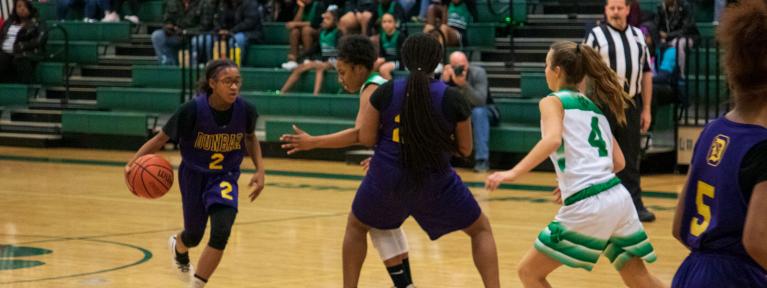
<point x="645" y="215"/>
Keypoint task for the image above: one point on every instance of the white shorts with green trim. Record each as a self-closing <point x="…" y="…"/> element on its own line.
<point x="605" y="223"/>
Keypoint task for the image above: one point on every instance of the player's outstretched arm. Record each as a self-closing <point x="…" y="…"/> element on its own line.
<point x="552" y="115"/>
<point x="302" y="141"/>
<point x="755" y="230"/>
<point x="257" y="181"/>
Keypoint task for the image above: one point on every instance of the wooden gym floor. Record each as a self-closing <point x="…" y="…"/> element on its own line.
<point x="67" y="220"/>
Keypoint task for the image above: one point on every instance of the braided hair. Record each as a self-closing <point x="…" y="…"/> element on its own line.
<point x="425" y="137"/>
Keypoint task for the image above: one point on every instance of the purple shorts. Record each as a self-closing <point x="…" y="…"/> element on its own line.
<point x="441" y="204"/>
<point x="200" y="191"/>
<point x="715" y="270"/>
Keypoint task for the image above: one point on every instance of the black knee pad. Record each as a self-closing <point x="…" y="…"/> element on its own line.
<point x="221" y="222"/>
<point x="191" y="239"/>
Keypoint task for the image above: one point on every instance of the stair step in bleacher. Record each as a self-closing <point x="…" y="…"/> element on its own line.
<point x="550" y="31"/>
<point x="503" y="80"/>
<point x="35" y="115"/>
<point x="75" y="93"/>
<point x="563" y="18"/>
<point x="29" y="140"/>
<point x="134" y="49"/>
<point x="81" y="52"/>
<point x="99" y="81"/>
<point x="255" y="79"/>
<point x="99" y="31"/>
<point x="117" y="71"/>
<point x="45" y="103"/>
<point x="578" y="7"/>
<point x="127" y="60"/>
<point x="29" y="127"/>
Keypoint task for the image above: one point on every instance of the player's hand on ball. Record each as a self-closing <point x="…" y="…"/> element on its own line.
<point x="301" y="141"/>
<point x="557" y="196"/>
<point x="257" y="185"/>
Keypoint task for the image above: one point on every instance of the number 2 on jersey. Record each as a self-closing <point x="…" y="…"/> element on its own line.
<point x="699" y="224"/>
<point x="595" y="138"/>
<point x="215" y="161"/>
<point x="226" y="188"/>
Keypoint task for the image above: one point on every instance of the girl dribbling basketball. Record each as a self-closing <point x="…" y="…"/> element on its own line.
<point x="214" y="131"/>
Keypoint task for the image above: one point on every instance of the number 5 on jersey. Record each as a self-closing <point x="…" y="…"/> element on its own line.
<point x="700" y="224"/>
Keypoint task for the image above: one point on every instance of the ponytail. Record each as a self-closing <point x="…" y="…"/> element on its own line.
<point x="603" y="86"/>
<point x="425" y="138"/>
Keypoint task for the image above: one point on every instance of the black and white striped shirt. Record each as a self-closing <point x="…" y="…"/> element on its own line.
<point x="625" y="52"/>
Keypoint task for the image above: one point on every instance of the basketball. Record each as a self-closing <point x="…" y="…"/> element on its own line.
<point x="150" y="176"/>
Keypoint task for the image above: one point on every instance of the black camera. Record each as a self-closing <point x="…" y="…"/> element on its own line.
<point x="458" y="71"/>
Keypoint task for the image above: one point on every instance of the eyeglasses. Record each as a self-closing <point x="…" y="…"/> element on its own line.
<point x="229" y="82"/>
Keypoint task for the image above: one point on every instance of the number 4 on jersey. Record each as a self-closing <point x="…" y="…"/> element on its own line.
<point x="595" y="138"/>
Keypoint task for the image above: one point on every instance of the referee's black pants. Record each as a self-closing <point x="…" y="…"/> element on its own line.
<point x="629" y="138"/>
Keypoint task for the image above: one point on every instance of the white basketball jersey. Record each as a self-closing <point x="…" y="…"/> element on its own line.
<point x="585" y="157"/>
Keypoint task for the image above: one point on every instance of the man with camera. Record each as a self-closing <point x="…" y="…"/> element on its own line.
<point x="471" y="80"/>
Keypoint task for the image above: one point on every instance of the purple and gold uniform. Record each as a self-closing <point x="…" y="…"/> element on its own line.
<point x="440" y="203"/>
<point x="716" y="205"/>
<point x="211" y="156"/>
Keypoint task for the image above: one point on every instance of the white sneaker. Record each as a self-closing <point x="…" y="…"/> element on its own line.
<point x="185" y="272"/>
<point x="132" y="19"/>
<point x="89" y="20"/>
<point x="290" y="65"/>
<point x="111" y="17"/>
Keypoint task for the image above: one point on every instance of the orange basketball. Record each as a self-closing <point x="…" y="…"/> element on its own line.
<point x="150" y="176"/>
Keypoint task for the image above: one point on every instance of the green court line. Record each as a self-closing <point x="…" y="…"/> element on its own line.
<point x="317" y="175"/>
<point x="145" y="258"/>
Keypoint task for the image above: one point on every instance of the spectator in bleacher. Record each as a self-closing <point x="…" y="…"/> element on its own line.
<point x="182" y="17"/>
<point x="324" y="54"/>
<point x="92" y="9"/>
<point x="302" y="30"/>
<point x="134" y="8"/>
<point x="392" y="7"/>
<point x="283" y="10"/>
<point x="357" y="16"/>
<point x="452" y="18"/>
<point x="631" y="64"/>
<point x="20" y="40"/>
<point x="389" y="44"/>
<point x="675" y="22"/>
<point x="241" y="21"/>
<point x="472" y="81"/>
<point x="635" y="14"/>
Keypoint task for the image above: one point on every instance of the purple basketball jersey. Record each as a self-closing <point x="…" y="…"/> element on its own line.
<point x="388" y="147"/>
<point x="215" y="149"/>
<point x="715" y="209"/>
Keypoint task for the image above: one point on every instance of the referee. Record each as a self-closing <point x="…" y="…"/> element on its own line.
<point x="623" y="48"/>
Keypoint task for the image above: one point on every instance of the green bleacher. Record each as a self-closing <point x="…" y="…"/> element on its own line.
<point x="107" y="123"/>
<point x="14" y="94"/>
<point x="129" y="111"/>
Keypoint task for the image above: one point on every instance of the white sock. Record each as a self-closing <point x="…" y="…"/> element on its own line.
<point x="197" y="283"/>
